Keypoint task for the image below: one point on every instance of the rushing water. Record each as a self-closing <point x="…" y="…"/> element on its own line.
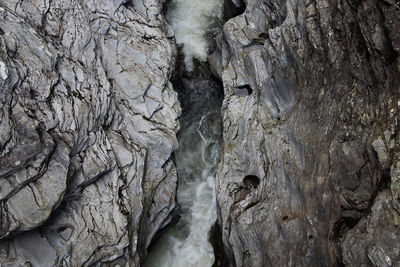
<point x="193" y="21"/>
<point x="186" y="244"/>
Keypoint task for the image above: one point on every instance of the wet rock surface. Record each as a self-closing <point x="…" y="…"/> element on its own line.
<point x="309" y="172"/>
<point x="88" y="122"/>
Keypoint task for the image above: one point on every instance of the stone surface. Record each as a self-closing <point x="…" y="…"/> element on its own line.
<point x="310" y="170"/>
<point x="311" y="109"/>
<point x="88" y="120"/>
<point x="374" y="241"/>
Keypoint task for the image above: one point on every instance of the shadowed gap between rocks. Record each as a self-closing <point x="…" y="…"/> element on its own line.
<point x="201" y="95"/>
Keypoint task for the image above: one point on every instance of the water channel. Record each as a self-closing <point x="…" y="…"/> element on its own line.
<point x="187" y="243"/>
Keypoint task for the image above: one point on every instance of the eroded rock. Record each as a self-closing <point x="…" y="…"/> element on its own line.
<point x="87" y="128"/>
<point x="324" y="77"/>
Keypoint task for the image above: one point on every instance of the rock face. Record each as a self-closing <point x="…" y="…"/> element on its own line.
<point x="88" y="119"/>
<point x="310" y="168"/>
<point x="310" y="172"/>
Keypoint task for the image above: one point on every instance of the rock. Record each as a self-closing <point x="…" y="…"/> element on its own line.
<point x="88" y="119"/>
<point x="395" y="184"/>
<point x="322" y="90"/>
<point x="374" y="241"/>
<point x="88" y="122"/>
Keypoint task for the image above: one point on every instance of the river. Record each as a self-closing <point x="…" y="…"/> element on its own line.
<point x="186" y="244"/>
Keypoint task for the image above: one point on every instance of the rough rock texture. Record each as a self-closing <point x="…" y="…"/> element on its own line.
<point x="87" y="126"/>
<point x="309" y="174"/>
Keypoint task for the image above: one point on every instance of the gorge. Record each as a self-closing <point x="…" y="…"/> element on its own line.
<point x="99" y="135"/>
<point x="187" y="242"/>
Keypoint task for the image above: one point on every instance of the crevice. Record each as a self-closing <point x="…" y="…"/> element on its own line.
<point x="221" y="259"/>
<point x="174" y="217"/>
<point x="200" y="93"/>
<point x="233" y="8"/>
<point x="345" y="223"/>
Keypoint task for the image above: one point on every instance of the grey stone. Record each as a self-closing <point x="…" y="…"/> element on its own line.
<point x="318" y="130"/>
<point x="88" y="122"/>
<point x="374" y="241"/>
<point x="309" y="173"/>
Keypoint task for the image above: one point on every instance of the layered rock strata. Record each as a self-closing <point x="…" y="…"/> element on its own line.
<point x="310" y="169"/>
<point x="88" y="119"/>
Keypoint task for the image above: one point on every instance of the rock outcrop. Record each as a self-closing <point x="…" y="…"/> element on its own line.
<point x="310" y="168"/>
<point x="88" y="119"/>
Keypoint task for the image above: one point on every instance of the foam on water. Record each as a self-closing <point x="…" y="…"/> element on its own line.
<point x="186" y="244"/>
<point x="193" y="21"/>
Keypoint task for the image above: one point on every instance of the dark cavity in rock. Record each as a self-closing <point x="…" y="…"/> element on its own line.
<point x="233" y="8"/>
<point x="244" y="90"/>
<point x="251" y="181"/>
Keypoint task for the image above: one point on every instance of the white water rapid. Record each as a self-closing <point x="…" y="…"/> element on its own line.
<point x="193" y="21"/>
<point x="187" y="244"/>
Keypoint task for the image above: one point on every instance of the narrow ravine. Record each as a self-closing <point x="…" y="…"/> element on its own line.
<point x="187" y="243"/>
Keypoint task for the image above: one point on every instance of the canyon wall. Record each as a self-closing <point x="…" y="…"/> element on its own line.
<point x="88" y="122"/>
<point x="310" y="169"/>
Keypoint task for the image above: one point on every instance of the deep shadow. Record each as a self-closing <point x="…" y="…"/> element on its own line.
<point x="233" y="8"/>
